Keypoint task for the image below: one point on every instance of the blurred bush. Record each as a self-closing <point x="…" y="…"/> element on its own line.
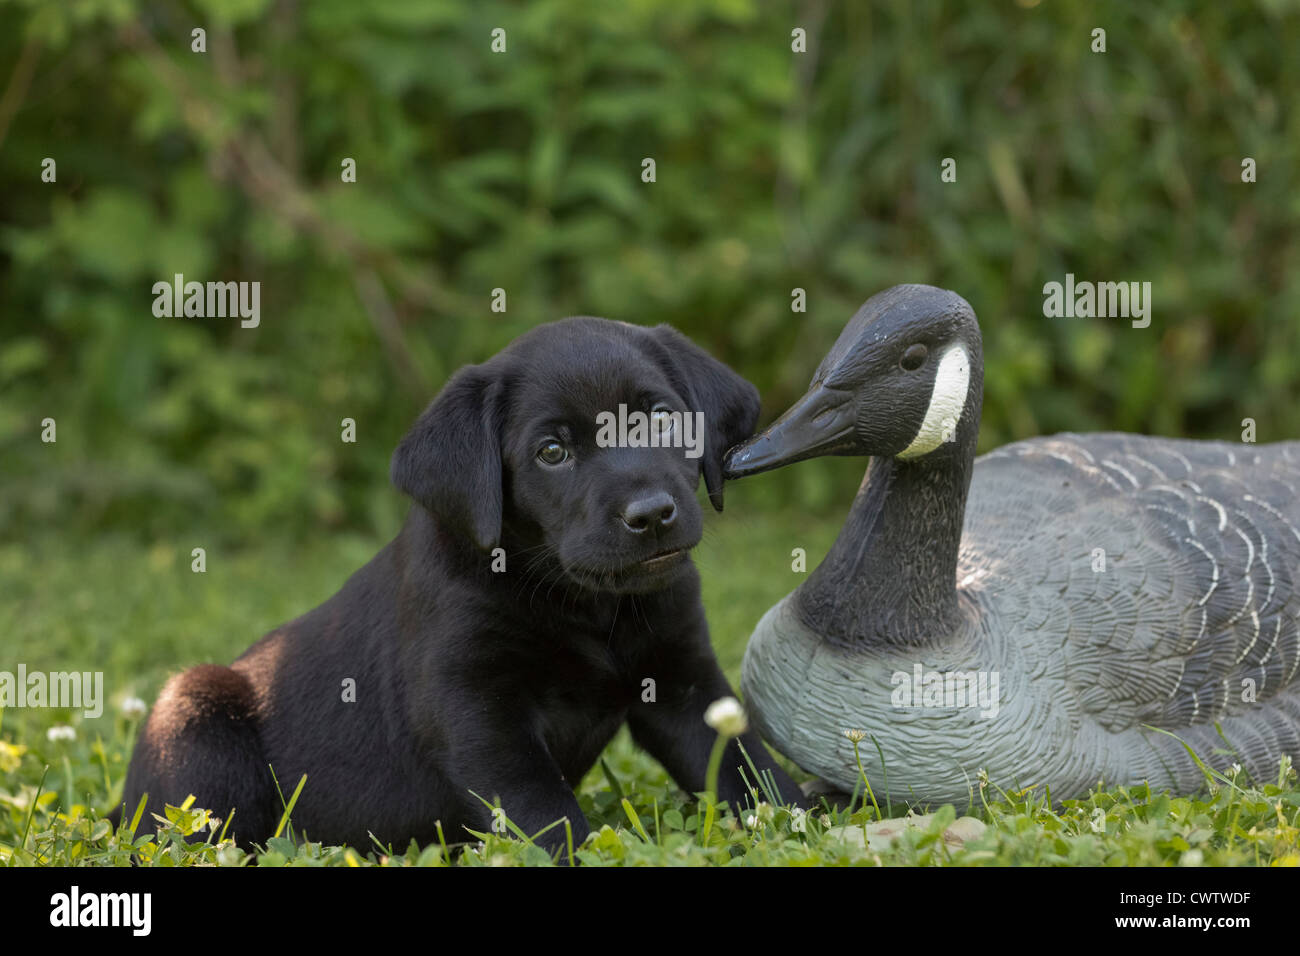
<point x="521" y="170"/>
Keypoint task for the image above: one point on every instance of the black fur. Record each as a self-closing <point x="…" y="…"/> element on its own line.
<point x="506" y="684"/>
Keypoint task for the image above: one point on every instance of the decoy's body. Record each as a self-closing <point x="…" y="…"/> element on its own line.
<point x="1087" y="586"/>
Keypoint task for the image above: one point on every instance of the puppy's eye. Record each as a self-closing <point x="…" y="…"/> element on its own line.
<point x="913" y="357"/>
<point x="661" y="418"/>
<point x="552" y="453"/>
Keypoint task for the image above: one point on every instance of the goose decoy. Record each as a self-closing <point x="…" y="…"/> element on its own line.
<point x="1033" y="613"/>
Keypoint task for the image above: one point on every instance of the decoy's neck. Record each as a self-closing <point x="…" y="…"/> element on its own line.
<point x="891" y="576"/>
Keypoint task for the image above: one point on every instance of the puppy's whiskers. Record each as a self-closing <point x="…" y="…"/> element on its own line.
<point x="537" y="566"/>
<point x="613" y="621"/>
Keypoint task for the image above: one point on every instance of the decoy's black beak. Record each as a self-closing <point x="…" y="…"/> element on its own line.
<point x="820" y="423"/>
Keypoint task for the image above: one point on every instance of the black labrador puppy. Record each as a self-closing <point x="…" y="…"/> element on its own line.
<point x="539" y="595"/>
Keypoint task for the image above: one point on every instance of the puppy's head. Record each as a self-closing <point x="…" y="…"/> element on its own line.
<point x="582" y="442"/>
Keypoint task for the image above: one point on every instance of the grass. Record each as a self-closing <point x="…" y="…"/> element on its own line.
<point x="138" y="613"/>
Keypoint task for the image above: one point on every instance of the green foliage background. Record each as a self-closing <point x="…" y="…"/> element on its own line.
<point x="522" y="171"/>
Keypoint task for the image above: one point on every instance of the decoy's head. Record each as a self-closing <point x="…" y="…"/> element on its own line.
<point x="904" y="380"/>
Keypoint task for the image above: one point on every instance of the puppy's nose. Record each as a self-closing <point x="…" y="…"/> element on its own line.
<point x="653" y="512"/>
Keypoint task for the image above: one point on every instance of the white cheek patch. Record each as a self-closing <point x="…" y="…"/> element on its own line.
<point x="947" y="402"/>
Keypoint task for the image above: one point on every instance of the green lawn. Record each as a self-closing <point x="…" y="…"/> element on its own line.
<point x="138" y="613"/>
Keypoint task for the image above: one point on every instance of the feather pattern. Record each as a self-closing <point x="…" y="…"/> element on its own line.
<point x="1113" y="582"/>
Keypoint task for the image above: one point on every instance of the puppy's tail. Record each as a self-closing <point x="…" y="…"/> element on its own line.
<point x="202" y="738"/>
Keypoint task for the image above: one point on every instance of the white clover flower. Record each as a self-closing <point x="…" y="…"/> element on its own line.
<point x="61" y="732"/>
<point x="857" y="736"/>
<point x="727" y="717"/>
<point x="751" y="821"/>
<point x="133" y="708"/>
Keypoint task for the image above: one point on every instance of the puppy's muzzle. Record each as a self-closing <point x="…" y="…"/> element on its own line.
<point x="653" y="513"/>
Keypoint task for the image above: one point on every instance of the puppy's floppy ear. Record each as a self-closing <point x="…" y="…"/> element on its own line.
<point x="729" y="402"/>
<point x="450" y="460"/>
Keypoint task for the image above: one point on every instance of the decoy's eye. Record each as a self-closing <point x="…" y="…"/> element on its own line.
<point x="913" y="357"/>
<point x="552" y="453"/>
